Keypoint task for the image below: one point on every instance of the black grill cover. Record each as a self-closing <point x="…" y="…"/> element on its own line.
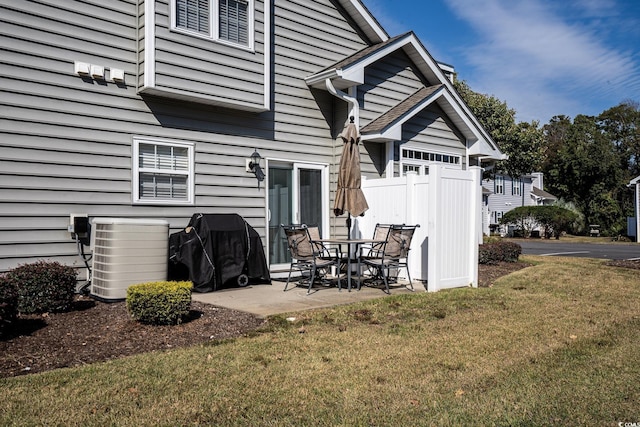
<point x="216" y="249"/>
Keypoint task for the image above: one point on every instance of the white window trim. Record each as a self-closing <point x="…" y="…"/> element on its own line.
<point x="214" y="18"/>
<point x="516" y="187"/>
<point x="499" y="185"/>
<point x="135" y="170"/>
<point x="424" y="164"/>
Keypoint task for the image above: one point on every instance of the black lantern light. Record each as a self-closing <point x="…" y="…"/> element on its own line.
<point x="254" y="166"/>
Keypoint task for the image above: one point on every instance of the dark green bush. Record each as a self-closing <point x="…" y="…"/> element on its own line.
<point x="8" y="303"/>
<point x="44" y="286"/>
<point x="159" y="303"/>
<point x="491" y="253"/>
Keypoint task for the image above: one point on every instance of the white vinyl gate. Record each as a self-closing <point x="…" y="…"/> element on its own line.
<point x="447" y="206"/>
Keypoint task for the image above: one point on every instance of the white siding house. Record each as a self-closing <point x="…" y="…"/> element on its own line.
<point x="151" y="109"/>
<point x="503" y="193"/>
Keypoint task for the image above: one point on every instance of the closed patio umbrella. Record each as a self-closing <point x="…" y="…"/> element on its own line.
<point x="349" y="195"/>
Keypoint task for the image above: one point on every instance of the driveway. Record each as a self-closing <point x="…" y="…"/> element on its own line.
<point x="613" y="251"/>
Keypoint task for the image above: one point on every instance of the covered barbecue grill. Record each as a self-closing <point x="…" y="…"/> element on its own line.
<point x="218" y="251"/>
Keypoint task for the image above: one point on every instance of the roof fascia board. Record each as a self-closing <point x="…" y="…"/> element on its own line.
<point x="379" y="54"/>
<point x="365" y="20"/>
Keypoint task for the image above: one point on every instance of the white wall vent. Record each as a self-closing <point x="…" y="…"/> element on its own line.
<point x="125" y="252"/>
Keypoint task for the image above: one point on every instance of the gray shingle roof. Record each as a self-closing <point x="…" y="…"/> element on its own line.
<point x="363" y="53"/>
<point x="394" y="114"/>
<point x="543" y="194"/>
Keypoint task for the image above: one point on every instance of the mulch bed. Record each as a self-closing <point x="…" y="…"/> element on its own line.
<point x="95" y="331"/>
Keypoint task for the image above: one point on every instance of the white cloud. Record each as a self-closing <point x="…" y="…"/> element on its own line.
<point x="542" y="64"/>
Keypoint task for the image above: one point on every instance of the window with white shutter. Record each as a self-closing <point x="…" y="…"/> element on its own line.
<point x="229" y="21"/>
<point x="163" y="172"/>
<point x="233" y="21"/>
<point x="193" y="15"/>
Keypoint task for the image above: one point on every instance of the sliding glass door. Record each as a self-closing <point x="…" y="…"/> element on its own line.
<point x="298" y="194"/>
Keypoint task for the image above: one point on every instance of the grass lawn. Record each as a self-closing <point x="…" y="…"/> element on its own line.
<point x="553" y="344"/>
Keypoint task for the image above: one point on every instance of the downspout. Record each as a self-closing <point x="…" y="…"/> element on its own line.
<point x="355" y="109"/>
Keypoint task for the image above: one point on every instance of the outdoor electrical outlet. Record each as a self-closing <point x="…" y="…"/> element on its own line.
<point x="77" y="222"/>
<point x="247" y="167"/>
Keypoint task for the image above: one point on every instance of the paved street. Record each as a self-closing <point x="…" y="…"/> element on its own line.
<point x="586" y="250"/>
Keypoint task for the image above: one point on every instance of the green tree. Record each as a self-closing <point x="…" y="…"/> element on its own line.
<point x="581" y="166"/>
<point x="521" y="142"/>
<point x="621" y="125"/>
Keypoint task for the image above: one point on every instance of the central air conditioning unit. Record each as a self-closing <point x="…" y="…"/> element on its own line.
<point x="125" y="252"/>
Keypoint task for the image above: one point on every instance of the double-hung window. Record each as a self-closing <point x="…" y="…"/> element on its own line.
<point x="163" y="172"/>
<point x="499" y="184"/>
<point x="515" y="189"/>
<point x="229" y="21"/>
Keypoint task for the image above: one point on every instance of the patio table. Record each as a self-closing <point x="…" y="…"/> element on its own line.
<point x="351" y="243"/>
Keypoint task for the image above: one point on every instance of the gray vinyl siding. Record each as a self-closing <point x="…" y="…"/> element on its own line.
<point x="66" y="141"/>
<point x="387" y="83"/>
<point x="205" y="69"/>
<point x="431" y="129"/>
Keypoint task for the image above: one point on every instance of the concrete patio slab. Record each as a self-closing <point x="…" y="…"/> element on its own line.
<point x="266" y="300"/>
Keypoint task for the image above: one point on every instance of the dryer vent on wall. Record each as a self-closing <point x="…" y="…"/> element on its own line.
<point x="125" y="252"/>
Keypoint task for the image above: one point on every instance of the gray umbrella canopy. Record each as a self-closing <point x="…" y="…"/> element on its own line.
<point x="349" y="195"/>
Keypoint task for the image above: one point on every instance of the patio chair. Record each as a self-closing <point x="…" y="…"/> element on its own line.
<point x="392" y="254"/>
<point x="306" y="255"/>
<point x="373" y="250"/>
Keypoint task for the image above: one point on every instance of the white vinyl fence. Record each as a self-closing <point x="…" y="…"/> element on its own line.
<point x="447" y="206"/>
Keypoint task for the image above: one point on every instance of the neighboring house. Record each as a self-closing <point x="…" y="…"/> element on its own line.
<point x="151" y="108"/>
<point x="501" y="193"/>
<point x="633" y="223"/>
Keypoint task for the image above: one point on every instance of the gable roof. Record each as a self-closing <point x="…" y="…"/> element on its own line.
<point x="389" y="125"/>
<point x="543" y="194"/>
<point x="349" y="72"/>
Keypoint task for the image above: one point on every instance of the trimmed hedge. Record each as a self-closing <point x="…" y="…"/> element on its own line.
<point x="44" y="286"/>
<point x="159" y="303"/>
<point x="494" y="252"/>
<point x="8" y="303"/>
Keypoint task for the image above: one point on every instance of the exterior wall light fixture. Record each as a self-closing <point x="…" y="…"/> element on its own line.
<point x="253" y="165"/>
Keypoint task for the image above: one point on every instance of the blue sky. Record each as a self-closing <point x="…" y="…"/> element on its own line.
<point x="543" y="57"/>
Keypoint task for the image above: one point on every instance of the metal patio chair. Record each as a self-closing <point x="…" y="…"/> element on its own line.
<point x="392" y="254"/>
<point x="308" y="256"/>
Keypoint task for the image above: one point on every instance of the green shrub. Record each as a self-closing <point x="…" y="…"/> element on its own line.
<point x="8" y="303"/>
<point x="159" y="303"/>
<point x="44" y="286"/>
<point x="491" y="253"/>
<point x="554" y="220"/>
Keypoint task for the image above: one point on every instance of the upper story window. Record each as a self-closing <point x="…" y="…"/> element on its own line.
<point x="419" y="161"/>
<point x="193" y="15"/>
<point x="229" y="21"/>
<point x="499" y="184"/>
<point x="163" y="172"/>
<point x="515" y="188"/>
